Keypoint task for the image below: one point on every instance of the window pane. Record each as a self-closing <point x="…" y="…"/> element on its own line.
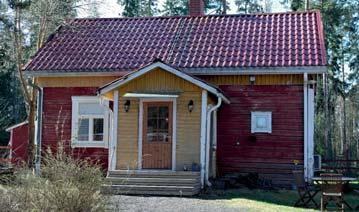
<point x="152" y="112"/>
<point x="90" y="109"/>
<point x="98" y="129"/>
<point x="163" y="112"/>
<point x="157" y="123"/>
<point x="83" y="131"/>
<point x="261" y="122"/>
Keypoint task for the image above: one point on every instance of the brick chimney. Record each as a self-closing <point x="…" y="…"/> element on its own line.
<point x="196" y="7"/>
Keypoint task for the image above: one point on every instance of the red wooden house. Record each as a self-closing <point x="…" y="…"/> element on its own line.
<point x="189" y="97"/>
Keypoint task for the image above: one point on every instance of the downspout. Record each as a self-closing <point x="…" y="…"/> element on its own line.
<point x="208" y="137"/>
<point x="38" y="127"/>
<point x="305" y="93"/>
<point x="203" y="136"/>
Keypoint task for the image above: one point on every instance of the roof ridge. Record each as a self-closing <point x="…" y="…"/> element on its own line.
<point x="187" y="16"/>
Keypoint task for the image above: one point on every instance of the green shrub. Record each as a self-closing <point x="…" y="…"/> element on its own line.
<point x="65" y="184"/>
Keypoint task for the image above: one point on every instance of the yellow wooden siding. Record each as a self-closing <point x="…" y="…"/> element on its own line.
<point x="94" y="81"/>
<point x="127" y="140"/>
<point x="188" y="124"/>
<point x="260" y="79"/>
<point x="159" y="81"/>
<point x="188" y="130"/>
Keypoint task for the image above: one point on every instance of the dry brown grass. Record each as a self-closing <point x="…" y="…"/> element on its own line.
<point x="65" y="184"/>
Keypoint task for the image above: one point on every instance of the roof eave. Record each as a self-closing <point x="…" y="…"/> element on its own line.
<point x="73" y="73"/>
<point x="193" y="71"/>
<point x="256" y="70"/>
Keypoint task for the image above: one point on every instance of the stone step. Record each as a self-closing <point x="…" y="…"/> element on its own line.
<point x="151" y="181"/>
<point x="151" y="190"/>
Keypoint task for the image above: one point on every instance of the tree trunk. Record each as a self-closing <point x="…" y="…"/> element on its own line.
<point x="31" y="103"/>
<point x="31" y="130"/>
<point x="306" y="5"/>
<point x="224" y="5"/>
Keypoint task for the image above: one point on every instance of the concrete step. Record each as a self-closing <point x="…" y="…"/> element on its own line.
<point x="152" y="173"/>
<point x="151" y="190"/>
<point x="152" y="181"/>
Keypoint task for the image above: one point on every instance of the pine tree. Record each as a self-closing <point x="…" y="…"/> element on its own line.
<point x="139" y="8"/>
<point x="12" y="107"/>
<point x="175" y="8"/>
<point x="130" y="8"/>
<point x="216" y="6"/>
<point x="335" y="102"/>
<point x="148" y="8"/>
<point x="27" y="25"/>
<point x="248" y="6"/>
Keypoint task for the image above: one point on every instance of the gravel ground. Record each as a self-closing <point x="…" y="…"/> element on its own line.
<point x="171" y="204"/>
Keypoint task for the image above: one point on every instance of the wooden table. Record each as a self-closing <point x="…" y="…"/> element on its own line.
<point x="320" y="180"/>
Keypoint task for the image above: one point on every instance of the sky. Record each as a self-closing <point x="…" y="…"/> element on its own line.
<point x="110" y="8"/>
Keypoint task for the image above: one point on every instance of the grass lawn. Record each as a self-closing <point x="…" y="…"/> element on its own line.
<point x="259" y="200"/>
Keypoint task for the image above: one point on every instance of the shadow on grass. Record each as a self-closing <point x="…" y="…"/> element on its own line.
<point x="278" y="198"/>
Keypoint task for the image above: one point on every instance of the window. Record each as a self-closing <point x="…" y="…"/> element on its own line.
<point x="157" y="123"/>
<point x="90" y="122"/>
<point x="261" y="122"/>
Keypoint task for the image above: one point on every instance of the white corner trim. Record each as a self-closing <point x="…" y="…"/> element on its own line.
<point x="114" y="141"/>
<point x="140" y="135"/>
<point x="165" y="67"/>
<point x="203" y="135"/>
<point x="174" y="133"/>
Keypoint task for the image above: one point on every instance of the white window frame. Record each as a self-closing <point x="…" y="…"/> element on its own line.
<point x="76" y="100"/>
<point x="265" y="114"/>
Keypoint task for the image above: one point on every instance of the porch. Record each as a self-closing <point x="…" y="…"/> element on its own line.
<point x="162" y="138"/>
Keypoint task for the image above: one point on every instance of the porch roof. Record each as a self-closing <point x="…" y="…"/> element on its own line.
<point x="159" y="64"/>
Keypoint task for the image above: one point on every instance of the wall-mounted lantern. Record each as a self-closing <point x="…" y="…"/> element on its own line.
<point x="190" y="106"/>
<point x="252" y="79"/>
<point x="126" y="106"/>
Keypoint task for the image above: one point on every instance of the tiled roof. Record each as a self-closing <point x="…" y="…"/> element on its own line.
<point x="123" y="44"/>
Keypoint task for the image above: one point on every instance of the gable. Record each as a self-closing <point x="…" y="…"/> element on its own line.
<point x="159" y="80"/>
<point x="159" y="77"/>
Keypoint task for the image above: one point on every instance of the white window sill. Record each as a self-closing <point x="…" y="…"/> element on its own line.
<point x="88" y="145"/>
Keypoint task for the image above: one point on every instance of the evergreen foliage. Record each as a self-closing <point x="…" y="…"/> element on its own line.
<point x="337" y="103"/>
<point x="249" y="6"/>
<point x="175" y="8"/>
<point x="139" y="8"/>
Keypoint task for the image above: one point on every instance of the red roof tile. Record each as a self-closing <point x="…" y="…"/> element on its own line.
<point x="123" y="44"/>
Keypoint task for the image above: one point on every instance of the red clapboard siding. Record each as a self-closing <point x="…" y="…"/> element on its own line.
<point x="271" y="155"/>
<point x="19" y="141"/>
<point x="56" y="124"/>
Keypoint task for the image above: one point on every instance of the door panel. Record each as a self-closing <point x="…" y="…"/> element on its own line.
<point x="157" y="135"/>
